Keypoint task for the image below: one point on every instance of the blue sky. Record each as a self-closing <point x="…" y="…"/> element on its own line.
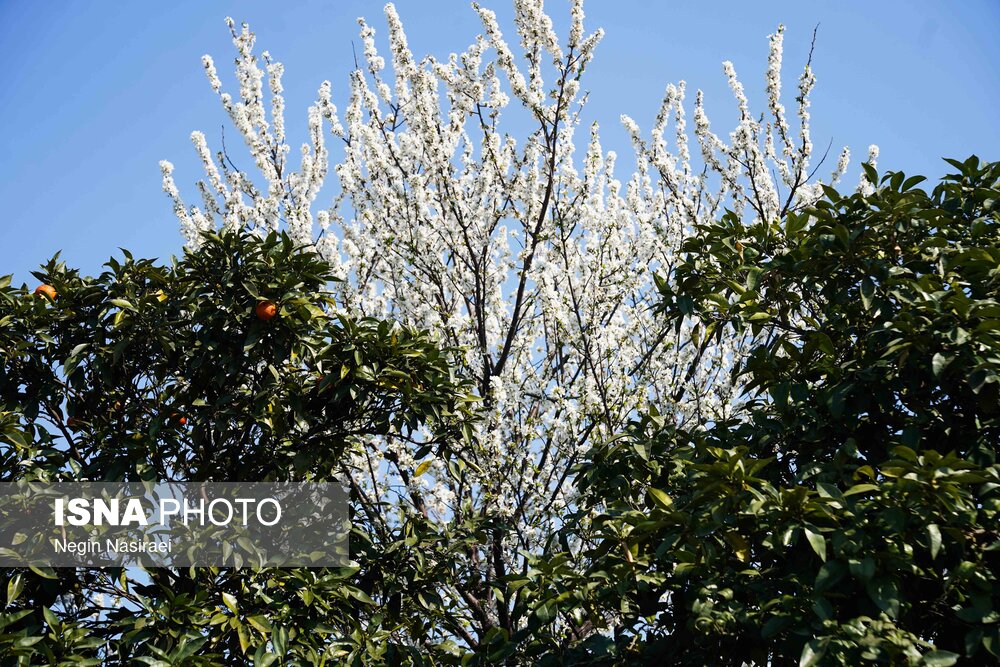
<point x="94" y="94"/>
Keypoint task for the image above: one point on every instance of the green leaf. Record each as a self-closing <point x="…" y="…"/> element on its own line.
<point x="122" y="303"/>
<point x="817" y="542"/>
<point x="280" y="641"/>
<point x="51" y="619"/>
<point x="546" y="612"/>
<point x="795" y="223"/>
<point x="940" y="658"/>
<point x="773" y="626"/>
<point x="14" y="588"/>
<point x="259" y="622"/>
<point x="822" y="608"/>
<point x="870" y="173"/>
<point x="25" y="642"/>
<point x="934" y="533"/>
<point x="660" y="498"/>
<point x="885" y="594"/>
<point x="829" y="575"/>
<point x="187" y="648"/>
<point x="14" y="617"/>
<point x="641" y="448"/>
<point x="358" y="594"/>
<point x="812" y="653"/>
<point x="740" y="546"/>
<point x="864" y="569"/>
<point x="753" y="278"/>
<point x="977" y="380"/>
<point x="244" y="637"/>
<point x="78" y="349"/>
<point x="939" y="363"/>
<point x="867" y="292"/>
<point x="264" y="659"/>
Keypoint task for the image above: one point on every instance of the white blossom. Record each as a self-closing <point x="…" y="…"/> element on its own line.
<point x="537" y="262"/>
<point x="211" y="73"/>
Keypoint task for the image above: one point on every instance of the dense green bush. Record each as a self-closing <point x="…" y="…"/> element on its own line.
<point x="849" y="511"/>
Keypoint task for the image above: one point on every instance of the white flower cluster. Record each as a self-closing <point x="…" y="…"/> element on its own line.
<point x="536" y="262"/>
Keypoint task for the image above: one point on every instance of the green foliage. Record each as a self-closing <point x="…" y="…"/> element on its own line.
<point x="116" y="364"/>
<point x="165" y="372"/>
<point x="849" y="512"/>
<point x="846" y="513"/>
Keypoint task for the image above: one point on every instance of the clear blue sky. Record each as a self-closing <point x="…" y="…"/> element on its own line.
<point x="94" y="94"/>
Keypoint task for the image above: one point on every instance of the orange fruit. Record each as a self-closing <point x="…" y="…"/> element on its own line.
<point x="266" y="310"/>
<point x="47" y="290"/>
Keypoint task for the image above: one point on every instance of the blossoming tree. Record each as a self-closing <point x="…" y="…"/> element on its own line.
<point x="537" y="261"/>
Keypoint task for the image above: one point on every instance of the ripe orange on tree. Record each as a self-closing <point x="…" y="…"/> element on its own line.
<point x="47" y="290"/>
<point x="266" y="310"/>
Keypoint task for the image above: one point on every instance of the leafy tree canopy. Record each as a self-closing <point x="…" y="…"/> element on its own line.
<point x="161" y="372"/>
<point x="849" y="511"/>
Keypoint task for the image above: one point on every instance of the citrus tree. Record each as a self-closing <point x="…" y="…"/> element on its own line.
<point x="233" y="363"/>
<point x="849" y="511"/>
